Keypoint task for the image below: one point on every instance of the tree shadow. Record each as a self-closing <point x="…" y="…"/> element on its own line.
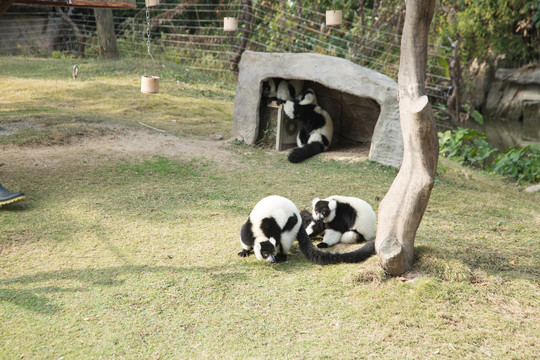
<point x="452" y="266"/>
<point x="35" y="300"/>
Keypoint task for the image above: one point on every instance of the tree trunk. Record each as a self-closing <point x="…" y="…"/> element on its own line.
<point x="401" y="210"/>
<point x="453" y="103"/>
<point x="247" y="15"/>
<point x="105" y="32"/>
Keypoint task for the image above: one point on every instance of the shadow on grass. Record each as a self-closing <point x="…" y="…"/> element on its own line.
<point x="21" y="205"/>
<point x="36" y="300"/>
<point x="473" y="265"/>
<point x="33" y="300"/>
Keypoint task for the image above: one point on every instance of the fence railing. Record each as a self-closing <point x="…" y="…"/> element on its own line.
<point x="192" y="35"/>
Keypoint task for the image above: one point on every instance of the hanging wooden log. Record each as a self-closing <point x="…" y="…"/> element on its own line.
<point x="78" y="33"/>
<point x="149" y="84"/>
<point x="334" y="17"/>
<point x="152" y="3"/>
<point x="230" y="24"/>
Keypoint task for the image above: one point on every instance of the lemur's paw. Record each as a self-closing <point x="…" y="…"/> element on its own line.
<point x="244" y="253"/>
<point x="322" y="245"/>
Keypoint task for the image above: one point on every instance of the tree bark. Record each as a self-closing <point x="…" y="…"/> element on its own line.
<point x="247" y="14"/>
<point x="453" y="103"/>
<point x="401" y="210"/>
<point x="105" y="31"/>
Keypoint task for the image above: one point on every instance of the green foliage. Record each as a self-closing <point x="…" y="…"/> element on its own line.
<point x="467" y="146"/>
<point x="477" y="117"/>
<point x="61" y="55"/>
<point x="522" y="164"/>
<point x="470" y="147"/>
<point x="491" y="28"/>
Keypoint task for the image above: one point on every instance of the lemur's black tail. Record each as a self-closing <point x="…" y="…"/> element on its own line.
<point x="325" y="258"/>
<point x="305" y="152"/>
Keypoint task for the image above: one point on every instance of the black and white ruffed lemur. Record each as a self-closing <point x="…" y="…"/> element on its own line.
<point x="281" y="90"/>
<point x="271" y="228"/>
<point x="317" y="129"/>
<point x="345" y="219"/>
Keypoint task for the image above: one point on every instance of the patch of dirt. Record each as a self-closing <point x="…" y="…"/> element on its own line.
<point x="348" y="153"/>
<point x="410" y="276"/>
<point x="125" y="144"/>
<point x="142" y="144"/>
<point x="11" y="128"/>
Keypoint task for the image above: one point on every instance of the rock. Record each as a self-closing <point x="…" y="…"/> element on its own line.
<point x="216" y="137"/>
<point x="528" y="75"/>
<point x="533" y="188"/>
<point x="340" y="75"/>
<point x="481" y="74"/>
<point x="512" y="107"/>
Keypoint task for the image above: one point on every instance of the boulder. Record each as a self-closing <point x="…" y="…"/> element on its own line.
<point x="512" y="107"/>
<point x="372" y="93"/>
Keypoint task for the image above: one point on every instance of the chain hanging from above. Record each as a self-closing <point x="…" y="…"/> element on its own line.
<point x="148" y="30"/>
<point x="149" y="83"/>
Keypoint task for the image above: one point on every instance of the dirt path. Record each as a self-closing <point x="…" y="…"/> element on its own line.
<point x="122" y="144"/>
<point x="139" y="144"/>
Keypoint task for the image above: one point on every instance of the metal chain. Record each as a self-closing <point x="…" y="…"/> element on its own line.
<point x="148" y="29"/>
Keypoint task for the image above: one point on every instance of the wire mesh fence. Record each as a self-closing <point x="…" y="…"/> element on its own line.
<point x="191" y="34"/>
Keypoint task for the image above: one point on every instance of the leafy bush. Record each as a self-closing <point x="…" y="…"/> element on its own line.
<point x="470" y="147"/>
<point x="467" y="146"/>
<point x="520" y="164"/>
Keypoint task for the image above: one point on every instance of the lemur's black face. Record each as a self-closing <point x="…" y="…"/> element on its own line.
<point x="265" y="89"/>
<point x="265" y="250"/>
<point x="305" y="95"/>
<point x="321" y="210"/>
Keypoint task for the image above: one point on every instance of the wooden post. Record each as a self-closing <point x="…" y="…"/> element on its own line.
<point x="403" y="207"/>
<point x="106" y="35"/>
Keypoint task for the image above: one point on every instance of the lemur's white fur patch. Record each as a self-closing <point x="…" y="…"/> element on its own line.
<point x="309" y="99"/>
<point x="331" y="237"/>
<point x="332" y="204"/>
<point x="283" y="92"/>
<point x="349" y="237"/>
<point x="288" y="107"/>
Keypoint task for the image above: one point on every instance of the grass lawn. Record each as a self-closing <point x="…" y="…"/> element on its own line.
<point x="126" y="255"/>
